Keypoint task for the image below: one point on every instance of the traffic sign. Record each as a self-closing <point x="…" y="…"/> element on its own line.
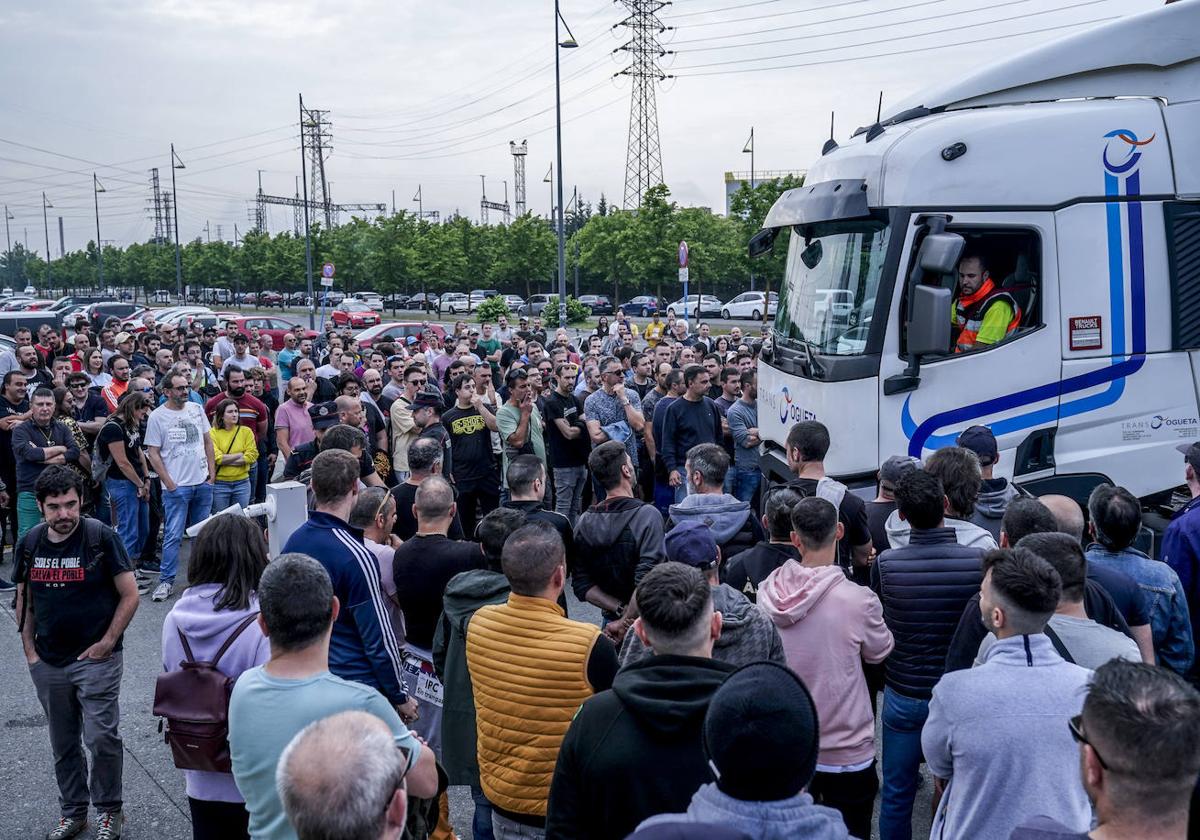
<point x="327" y="272"/>
<point x="683" y="254"/>
<point x="683" y="275"/>
<point x="327" y="282"/>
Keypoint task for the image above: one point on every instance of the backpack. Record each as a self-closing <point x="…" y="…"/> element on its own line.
<point x="194" y="704"/>
<point x="102" y="461"/>
<point x="93" y="530"/>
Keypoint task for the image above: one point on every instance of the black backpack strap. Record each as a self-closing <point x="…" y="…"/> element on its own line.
<point x="1058" y="644"/>
<point x="22" y="557"/>
<point x="230" y="639"/>
<point x="187" y="649"/>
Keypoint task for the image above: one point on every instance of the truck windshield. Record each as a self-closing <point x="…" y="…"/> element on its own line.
<point x="829" y="288"/>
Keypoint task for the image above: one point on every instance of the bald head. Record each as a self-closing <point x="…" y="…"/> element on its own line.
<point x="1067" y="513"/>
<point x="343" y="776"/>
<point x="434" y="500"/>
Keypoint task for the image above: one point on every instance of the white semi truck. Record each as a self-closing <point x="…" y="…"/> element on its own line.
<point x="1073" y="173"/>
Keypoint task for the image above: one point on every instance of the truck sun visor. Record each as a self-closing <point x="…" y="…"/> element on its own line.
<point x="828" y="201"/>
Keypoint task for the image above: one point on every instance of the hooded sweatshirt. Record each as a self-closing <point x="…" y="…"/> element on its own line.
<point x="635" y="750"/>
<point x="617" y="541"/>
<point x="781" y="819"/>
<point x="206" y="630"/>
<point x="994" y="496"/>
<point x="465" y="593"/>
<point x="734" y="526"/>
<point x="966" y="533"/>
<point x="830" y="626"/>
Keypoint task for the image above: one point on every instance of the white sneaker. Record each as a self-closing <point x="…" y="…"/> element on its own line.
<point x="162" y="592"/>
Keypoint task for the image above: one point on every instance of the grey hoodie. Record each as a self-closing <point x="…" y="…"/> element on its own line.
<point x="966" y="533"/>
<point x="724" y="515"/>
<point x="747" y="635"/>
<point x="783" y="819"/>
<point x="994" y="496"/>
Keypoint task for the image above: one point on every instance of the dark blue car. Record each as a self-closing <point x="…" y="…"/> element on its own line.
<point x="643" y="305"/>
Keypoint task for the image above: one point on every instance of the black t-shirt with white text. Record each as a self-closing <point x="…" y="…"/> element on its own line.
<point x="111" y="433"/>
<point x="74" y="595"/>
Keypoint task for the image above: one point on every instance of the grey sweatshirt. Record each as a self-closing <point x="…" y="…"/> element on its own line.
<point x="998" y="733"/>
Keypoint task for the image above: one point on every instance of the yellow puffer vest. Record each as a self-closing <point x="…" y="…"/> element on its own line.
<point x="528" y="665"/>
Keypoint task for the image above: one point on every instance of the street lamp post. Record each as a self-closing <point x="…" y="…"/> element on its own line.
<point x="98" y="188"/>
<point x="176" y="163"/>
<point x="749" y="148"/>
<point x="569" y="43"/>
<point x="46" y="224"/>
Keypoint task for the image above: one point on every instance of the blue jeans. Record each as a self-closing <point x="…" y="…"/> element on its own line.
<point x="481" y="823"/>
<point x="182" y="507"/>
<point x="225" y="493"/>
<point x="902" y="719"/>
<point x="742" y="483"/>
<point x="133" y="515"/>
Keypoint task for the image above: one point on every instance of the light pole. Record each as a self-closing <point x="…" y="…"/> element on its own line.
<point x="569" y="43"/>
<point x="98" y="188"/>
<point x="176" y="163"/>
<point x="46" y="224"/>
<point x="749" y="148"/>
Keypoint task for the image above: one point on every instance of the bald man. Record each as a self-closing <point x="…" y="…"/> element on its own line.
<point x="1126" y="594"/>
<point x="344" y="775"/>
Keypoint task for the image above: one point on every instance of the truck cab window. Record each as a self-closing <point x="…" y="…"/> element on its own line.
<point x="996" y="288"/>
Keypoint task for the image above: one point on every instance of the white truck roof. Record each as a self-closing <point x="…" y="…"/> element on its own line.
<point x="1154" y="53"/>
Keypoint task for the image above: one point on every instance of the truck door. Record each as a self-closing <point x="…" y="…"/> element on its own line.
<point x="1009" y="385"/>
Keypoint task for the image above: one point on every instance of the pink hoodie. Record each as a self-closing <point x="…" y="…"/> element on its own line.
<point x="829" y="626"/>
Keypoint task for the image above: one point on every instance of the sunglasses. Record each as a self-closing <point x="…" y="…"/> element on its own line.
<point x="1075" y="724"/>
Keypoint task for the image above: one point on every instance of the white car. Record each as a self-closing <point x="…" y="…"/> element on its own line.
<point x="454" y="303"/>
<point x="709" y="305"/>
<point x="749" y="305"/>
<point x="371" y="299"/>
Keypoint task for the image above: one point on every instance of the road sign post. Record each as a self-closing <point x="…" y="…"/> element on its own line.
<point x="683" y="276"/>
<point x="327" y="272"/>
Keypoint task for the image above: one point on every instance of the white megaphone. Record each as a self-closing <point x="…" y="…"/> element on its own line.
<point x="285" y="508"/>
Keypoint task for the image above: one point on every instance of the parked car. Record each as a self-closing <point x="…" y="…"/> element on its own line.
<point x="749" y="305"/>
<point x="17" y="303"/>
<point x="454" y="303"/>
<point x="270" y="299"/>
<point x="514" y="302"/>
<point x="425" y="302"/>
<point x="371" y="299"/>
<point x="274" y="326"/>
<point x="396" y="300"/>
<point x="533" y="307"/>
<point x="296" y="298"/>
<point x="644" y="305"/>
<point x="248" y="298"/>
<point x="98" y="313"/>
<point x="709" y="305"/>
<point x="599" y="304"/>
<point x="484" y="294"/>
<point x="395" y="332"/>
<point x="353" y="313"/>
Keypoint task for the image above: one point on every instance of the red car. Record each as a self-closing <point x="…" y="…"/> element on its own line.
<point x="354" y="313"/>
<point x="396" y="332"/>
<point x="273" y="326"/>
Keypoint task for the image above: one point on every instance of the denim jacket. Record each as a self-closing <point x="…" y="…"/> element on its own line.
<point x="1170" y="622"/>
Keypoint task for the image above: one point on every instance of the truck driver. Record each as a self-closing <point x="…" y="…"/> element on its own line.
<point x="983" y="313"/>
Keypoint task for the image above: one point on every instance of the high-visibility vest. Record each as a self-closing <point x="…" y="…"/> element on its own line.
<point x="970" y="310"/>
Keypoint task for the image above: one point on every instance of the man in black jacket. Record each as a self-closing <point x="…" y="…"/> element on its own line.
<point x="617" y="541"/>
<point x="635" y="750"/>
<point x="526" y="478"/>
<point x="923" y="587"/>
<point x="747" y="570"/>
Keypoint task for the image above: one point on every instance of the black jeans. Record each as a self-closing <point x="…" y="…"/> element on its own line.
<point x="852" y="794"/>
<point x="219" y="820"/>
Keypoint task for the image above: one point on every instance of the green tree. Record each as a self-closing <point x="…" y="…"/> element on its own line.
<point x="524" y="251"/>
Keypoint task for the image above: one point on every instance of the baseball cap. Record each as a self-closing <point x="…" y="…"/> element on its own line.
<point x="412" y="339"/>
<point x="981" y="441"/>
<point x="425" y="399"/>
<point x="122" y="338"/>
<point x="323" y="415"/>
<point x="761" y="735"/>
<point x="692" y="544"/>
<point x="1191" y="454"/>
<point x="894" y="467"/>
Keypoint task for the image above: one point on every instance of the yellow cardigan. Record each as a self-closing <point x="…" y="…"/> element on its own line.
<point x="225" y="443"/>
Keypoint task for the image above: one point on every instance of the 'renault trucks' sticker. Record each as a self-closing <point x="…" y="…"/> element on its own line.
<point x="1086" y="333"/>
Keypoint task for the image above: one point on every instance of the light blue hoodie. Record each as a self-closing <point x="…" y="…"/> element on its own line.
<point x="782" y="819"/>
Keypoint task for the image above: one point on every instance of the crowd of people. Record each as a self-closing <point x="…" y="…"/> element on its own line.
<point x="416" y="632"/>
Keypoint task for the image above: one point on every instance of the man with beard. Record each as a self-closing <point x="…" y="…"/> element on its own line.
<point x="293" y="425"/>
<point x="119" y="367"/>
<point x="29" y="364"/>
<point x="39" y="442"/>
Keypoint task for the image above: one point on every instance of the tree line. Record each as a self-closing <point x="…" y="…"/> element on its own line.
<point x="615" y="252"/>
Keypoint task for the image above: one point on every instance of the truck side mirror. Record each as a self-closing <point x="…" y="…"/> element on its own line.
<point x="940" y="252"/>
<point x="929" y="325"/>
<point x="762" y="242"/>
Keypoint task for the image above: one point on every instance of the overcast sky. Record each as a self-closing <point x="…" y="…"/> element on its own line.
<point x="429" y="94"/>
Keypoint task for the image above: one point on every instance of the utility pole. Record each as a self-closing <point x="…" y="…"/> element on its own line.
<point x="207" y="232"/>
<point x="46" y="225"/>
<point x="560" y="44"/>
<point x="518" y="155"/>
<point x="97" y="188"/>
<point x="62" y="240"/>
<point x="420" y="204"/>
<point x="308" y="263"/>
<point x="393" y="202"/>
<point x="643" y="160"/>
<point x="176" y="163"/>
<point x="8" y="233"/>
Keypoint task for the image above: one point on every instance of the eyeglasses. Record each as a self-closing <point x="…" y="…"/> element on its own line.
<point x="148" y="390"/>
<point x="77" y="385"/>
<point x="1075" y="724"/>
<point x="417" y="381"/>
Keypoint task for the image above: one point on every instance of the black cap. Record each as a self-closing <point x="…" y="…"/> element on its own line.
<point x="1191" y="454"/>
<point x="425" y="399"/>
<point x="761" y="735"/>
<point x="691" y="543"/>
<point x="981" y="441"/>
<point x="323" y="415"/>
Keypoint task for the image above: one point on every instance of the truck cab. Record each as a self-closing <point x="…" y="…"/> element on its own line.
<point x="1070" y="178"/>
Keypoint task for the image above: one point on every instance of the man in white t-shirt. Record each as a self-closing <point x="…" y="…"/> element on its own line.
<point x="241" y="359"/>
<point x="181" y="452"/>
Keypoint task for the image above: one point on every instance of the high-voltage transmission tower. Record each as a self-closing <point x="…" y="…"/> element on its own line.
<point x="168" y="219"/>
<point x="643" y="161"/>
<point x="156" y="204"/>
<point x="485" y="205"/>
<point x="316" y="139"/>
<point x="518" y="154"/>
